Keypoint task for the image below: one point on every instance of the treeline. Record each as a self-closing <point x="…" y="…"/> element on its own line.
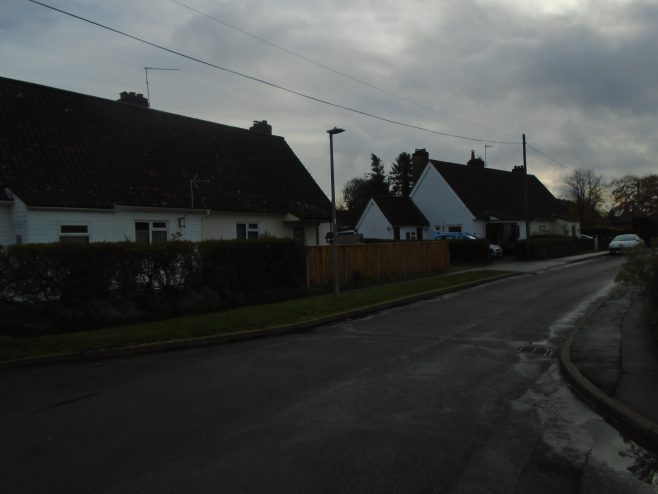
<point x="596" y="202"/>
<point x="399" y="181"/>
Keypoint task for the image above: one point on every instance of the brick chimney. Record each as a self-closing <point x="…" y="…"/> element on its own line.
<point x="518" y="169"/>
<point x="261" y="127"/>
<point x="479" y="162"/>
<point x="133" y="99"/>
<point x="419" y="161"/>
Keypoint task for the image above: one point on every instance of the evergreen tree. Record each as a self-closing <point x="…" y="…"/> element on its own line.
<point x="377" y="180"/>
<point x="400" y="178"/>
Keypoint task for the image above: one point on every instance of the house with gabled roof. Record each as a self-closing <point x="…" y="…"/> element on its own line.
<point x="487" y="202"/>
<point x="388" y="217"/>
<point x="75" y="167"/>
<point x="472" y="198"/>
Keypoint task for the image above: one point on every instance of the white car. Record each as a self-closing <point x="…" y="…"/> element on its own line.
<point x="626" y="241"/>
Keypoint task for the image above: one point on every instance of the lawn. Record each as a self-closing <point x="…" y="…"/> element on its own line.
<point x="244" y="319"/>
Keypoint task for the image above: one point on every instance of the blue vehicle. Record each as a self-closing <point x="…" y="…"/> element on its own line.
<point x="453" y="236"/>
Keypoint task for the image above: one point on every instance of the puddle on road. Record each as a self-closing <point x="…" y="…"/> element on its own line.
<point x="570" y="425"/>
<point x="614" y="449"/>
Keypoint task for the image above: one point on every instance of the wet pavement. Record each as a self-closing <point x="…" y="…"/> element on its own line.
<point x="615" y="351"/>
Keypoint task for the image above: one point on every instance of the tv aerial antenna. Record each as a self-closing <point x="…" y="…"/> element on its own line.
<point x="146" y="70"/>
<point x="486" y="146"/>
<point x="194" y="184"/>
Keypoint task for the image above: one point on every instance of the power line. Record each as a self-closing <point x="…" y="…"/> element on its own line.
<point x="267" y="83"/>
<point x="329" y="68"/>
<point x="549" y="158"/>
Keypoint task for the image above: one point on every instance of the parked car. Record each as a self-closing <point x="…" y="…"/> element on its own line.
<point x="494" y="249"/>
<point x="625" y="241"/>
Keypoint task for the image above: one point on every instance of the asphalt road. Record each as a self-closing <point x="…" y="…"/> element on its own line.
<point x="431" y="397"/>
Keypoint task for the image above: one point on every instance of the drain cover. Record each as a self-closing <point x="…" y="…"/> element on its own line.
<point x="540" y="351"/>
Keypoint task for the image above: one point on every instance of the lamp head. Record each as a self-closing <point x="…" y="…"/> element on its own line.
<point x="335" y="130"/>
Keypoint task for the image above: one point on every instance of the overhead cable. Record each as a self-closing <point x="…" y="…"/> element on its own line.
<point x="549" y="158"/>
<point x="327" y="67"/>
<point x="267" y="83"/>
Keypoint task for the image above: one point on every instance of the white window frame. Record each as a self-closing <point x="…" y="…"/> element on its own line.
<point x="251" y="230"/>
<point x="154" y="226"/>
<point x="65" y="236"/>
<point x="410" y="235"/>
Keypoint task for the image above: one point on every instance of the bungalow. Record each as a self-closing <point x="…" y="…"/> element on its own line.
<point x="75" y="167"/>
<point x="485" y="202"/>
<point x="392" y="218"/>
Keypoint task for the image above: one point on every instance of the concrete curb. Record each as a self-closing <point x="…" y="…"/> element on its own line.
<point x="133" y="350"/>
<point x="641" y="429"/>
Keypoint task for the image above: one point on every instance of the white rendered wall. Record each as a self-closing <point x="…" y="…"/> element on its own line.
<point x="373" y="223"/>
<point x="441" y="206"/>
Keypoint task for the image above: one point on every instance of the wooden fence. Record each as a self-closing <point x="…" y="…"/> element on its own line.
<point x="376" y="261"/>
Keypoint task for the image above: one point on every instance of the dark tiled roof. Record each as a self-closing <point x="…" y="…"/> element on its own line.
<point x="488" y="192"/>
<point x="66" y="149"/>
<point x="400" y="211"/>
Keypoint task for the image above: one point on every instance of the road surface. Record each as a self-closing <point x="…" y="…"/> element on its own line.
<point x="431" y="397"/>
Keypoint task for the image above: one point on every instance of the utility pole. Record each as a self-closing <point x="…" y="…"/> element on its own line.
<point x="525" y="201"/>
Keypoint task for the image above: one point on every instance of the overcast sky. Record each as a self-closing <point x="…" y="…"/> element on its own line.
<point x="579" y="78"/>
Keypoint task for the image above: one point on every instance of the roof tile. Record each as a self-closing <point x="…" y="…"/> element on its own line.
<point x="73" y="150"/>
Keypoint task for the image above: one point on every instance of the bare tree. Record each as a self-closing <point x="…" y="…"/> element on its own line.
<point x="585" y="191"/>
<point x="635" y="196"/>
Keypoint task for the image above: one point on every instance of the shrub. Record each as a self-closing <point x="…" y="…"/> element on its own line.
<point x="71" y="287"/>
<point x="641" y="271"/>
<point x="548" y="247"/>
<point x="470" y="250"/>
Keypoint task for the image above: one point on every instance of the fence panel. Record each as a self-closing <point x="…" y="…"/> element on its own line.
<point x="376" y="261"/>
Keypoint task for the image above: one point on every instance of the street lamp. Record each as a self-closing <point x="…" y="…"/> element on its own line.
<point x="334" y="242"/>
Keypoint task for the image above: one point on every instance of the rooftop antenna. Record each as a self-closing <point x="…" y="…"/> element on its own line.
<point x="148" y="93"/>
<point x="485" y="152"/>
<point x="194" y="181"/>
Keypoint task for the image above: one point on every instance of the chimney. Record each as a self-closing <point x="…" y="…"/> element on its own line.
<point x="419" y="161"/>
<point x="133" y="99"/>
<point x="479" y="162"/>
<point x="518" y="169"/>
<point x="261" y="127"/>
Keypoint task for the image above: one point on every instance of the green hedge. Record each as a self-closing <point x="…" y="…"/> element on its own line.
<point x="641" y="271"/>
<point x="550" y="247"/>
<point x="60" y="287"/>
<point x="470" y="250"/>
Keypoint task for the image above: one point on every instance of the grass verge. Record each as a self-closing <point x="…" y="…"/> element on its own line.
<point x="243" y="319"/>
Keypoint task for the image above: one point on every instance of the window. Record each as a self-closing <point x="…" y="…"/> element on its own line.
<point x="150" y="232"/>
<point x="410" y="235"/>
<point x="454" y="228"/>
<point x="246" y="231"/>
<point x="74" y="233"/>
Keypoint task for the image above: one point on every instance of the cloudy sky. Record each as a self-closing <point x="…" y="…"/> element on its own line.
<point x="579" y="78"/>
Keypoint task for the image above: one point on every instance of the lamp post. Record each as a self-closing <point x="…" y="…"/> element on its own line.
<point x="334" y="240"/>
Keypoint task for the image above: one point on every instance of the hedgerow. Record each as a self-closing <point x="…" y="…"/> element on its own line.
<point x="71" y="287"/>
<point x="641" y="271"/>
